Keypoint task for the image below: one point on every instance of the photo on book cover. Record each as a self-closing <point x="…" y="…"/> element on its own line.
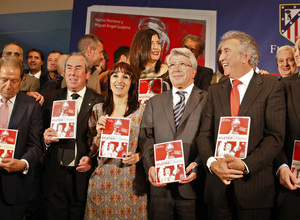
<point x="169" y="162"/>
<point x="296" y="161"/>
<point x="8" y="140"/>
<point x="64" y="119"/>
<point x="233" y="137"/>
<point x="149" y="88"/>
<point x="115" y="138"/>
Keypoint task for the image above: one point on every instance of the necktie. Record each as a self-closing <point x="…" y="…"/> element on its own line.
<point x="75" y="96"/>
<point x="179" y="108"/>
<point x="68" y="154"/>
<point x="4" y="113"/>
<point x="235" y="98"/>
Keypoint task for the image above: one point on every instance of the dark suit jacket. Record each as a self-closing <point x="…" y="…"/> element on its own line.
<point x="203" y="77"/>
<point x="158" y="126"/>
<point x="26" y="117"/>
<point x="51" y="162"/>
<point x="43" y="78"/>
<point x="264" y="103"/>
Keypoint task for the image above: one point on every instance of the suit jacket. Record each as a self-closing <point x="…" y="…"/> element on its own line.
<point x="43" y="78"/>
<point x="203" y="77"/>
<point x="51" y="162"/>
<point x="264" y="103"/>
<point x="26" y="117"/>
<point x="158" y="126"/>
<point x="30" y="84"/>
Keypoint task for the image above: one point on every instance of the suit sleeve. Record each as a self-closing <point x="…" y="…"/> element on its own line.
<point x="33" y="150"/>
<point x="146" y="137"/>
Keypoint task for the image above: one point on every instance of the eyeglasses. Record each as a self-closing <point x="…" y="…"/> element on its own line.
<point x="180" y="65"/>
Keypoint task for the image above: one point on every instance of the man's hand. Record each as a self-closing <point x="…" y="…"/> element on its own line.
<point x="12" y="165"/>
<point x="48" y="136"/>
<point x="152" y="177"/>
<point x="38" y="97"/>
<point x="85" y="164"/>
<point x="192" y="176"/>
<point x="220" y="168"/>
<point x="235" y="163"/>
<point x="287" y="178"/>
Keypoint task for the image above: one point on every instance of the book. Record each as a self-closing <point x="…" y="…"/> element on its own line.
<point x="8" y="140"/>
<point x="233" y="137"/>
<point x="169" y="162"/>
<point x="64" y="118"/>
<point x="149" y="88"/>
<point x="296" y="161"/>
<point x="114" y="139"/>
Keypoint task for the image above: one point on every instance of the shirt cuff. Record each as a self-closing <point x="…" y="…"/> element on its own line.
<point x="26" y="169"/>
<point x="209" y="162"/>
<point x="283" y="165"/>
<point x="246" y="168"/>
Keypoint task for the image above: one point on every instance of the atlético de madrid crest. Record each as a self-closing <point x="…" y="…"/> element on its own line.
<point x="289" y="24"/>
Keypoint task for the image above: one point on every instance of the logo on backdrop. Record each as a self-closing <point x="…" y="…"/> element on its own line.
<point x="289" y="24"/>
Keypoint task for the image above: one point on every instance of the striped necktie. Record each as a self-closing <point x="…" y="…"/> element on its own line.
<point x="179" y="107"/>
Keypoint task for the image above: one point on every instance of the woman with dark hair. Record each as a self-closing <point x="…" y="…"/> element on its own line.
<point x="145" y="56"/>
<point x="114" y="191"/>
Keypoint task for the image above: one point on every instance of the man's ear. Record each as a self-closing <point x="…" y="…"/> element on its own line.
<point x="89" y="51"/>
<point x="88" y="74"/>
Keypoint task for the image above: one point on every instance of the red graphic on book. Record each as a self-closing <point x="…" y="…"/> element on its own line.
<point x="64" y="108"/>
<point x="8" y="140"/>
<point x="149" y="88"/>
<point x="117" y="126"/>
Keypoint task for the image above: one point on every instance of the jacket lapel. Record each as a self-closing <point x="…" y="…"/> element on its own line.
<point x="167" y="103"/>
<point x="85" y="106"/>
<point x="295" y="91"/>
<point x="253" y="90"/>
<point x="16" y="116"/>
<point x="224" y="95"/>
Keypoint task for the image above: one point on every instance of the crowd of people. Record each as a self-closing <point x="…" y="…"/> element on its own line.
<point x="64" y="178"/>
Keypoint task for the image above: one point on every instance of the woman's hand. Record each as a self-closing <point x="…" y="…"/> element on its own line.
<point x="131" y="158"/>
<point x="101" y="123"/>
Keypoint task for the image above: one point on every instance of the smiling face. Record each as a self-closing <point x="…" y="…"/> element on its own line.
<point x="10" y="81"/>
<point x="286" y="63"/>
<point x="34" y="61"/>
<point x="75" y="73"/>
<point x="234" y="63"/>
<point x="51" y="61"/>
<point x="181" y="72"/>
<point x="155" y="48"/>
<point x="120" y="83"/>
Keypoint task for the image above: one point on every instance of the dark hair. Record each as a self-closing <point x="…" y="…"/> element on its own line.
<point x="140" y="50"/>
<point x="196" y="39"/>
<point x="55" y="51"/>
<point x="123" y="50"/>
<point x="36" y="50"/>
<point x="132" y="102"/>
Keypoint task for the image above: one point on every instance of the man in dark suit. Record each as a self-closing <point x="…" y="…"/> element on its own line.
<point x="174" y="200"/>
<point x="235" y="188"/>
<point x="289" y="195"/>
<point x="24" y="114"/>
<point x="66" y="178"/>
<point x="204" y="75"/>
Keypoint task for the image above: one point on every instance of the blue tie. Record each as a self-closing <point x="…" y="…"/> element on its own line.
<point x="179" y="108"/>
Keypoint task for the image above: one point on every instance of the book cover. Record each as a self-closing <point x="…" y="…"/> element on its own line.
<point x="64" y="118"/>
<point x="233" y="137"/>
<point x="149" y="88"/>
<point x="8" y="140"/>
<point x="115" y="138"/>
<point x="296" y="161"/>
<point x="169" y="162"/>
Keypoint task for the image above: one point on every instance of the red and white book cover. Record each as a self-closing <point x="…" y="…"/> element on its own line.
<point x="233" y="137"/>
<point x="8" y="140"/>
<point x="169" y="162"/>
<point x="115" y="138"/>
<point x="149" y="88"/>
<point x="296" y="161"/>
<point x="64" y="118"/>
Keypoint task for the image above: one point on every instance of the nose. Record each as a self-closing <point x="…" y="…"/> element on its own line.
<point x="221" y="57"/>
<point x="286" y="63"/>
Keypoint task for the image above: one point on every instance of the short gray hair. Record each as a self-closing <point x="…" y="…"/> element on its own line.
<point x="183" y="52"/>
<point x="285" y="47"/>
<point x="249" y="45"/>
<point x="13" y="61"/>
<point x="87" y="63"/>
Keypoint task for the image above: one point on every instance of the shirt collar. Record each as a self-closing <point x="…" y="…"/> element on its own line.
<point x="11" y="100"/>
<point x="188" y="89"/>
<point x="245" y="79"/>
<point x="81" y="93"/>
